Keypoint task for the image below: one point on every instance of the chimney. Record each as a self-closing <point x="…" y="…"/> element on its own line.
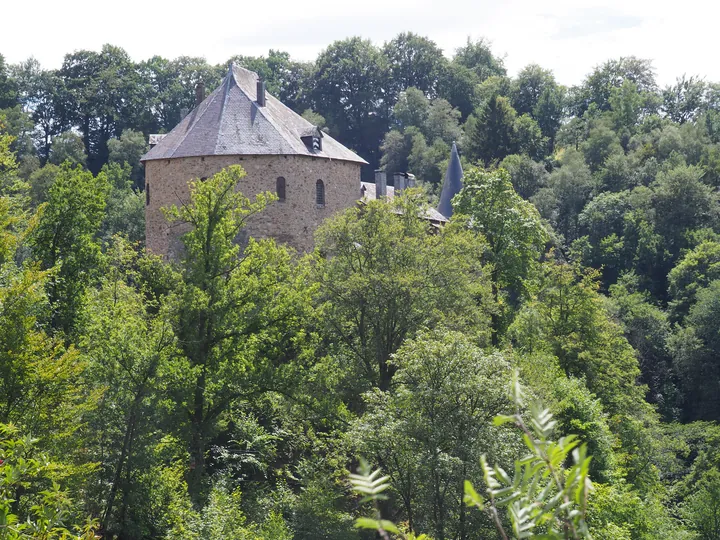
<point x="261" y="93"/>
<point x="399" y="181"/>
<point x="199" y="92"/>
<point x="380" y="183"/>
<point x="410" y="180"/>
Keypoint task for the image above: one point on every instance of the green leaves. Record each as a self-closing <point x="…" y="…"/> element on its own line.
<point x="543" y="492"/>
<point x="372" y="485"/>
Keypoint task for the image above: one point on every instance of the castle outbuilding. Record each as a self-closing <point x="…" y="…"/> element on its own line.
<point x="313" y="175"/>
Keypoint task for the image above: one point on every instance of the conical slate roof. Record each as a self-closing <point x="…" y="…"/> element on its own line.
<point x="230" y="122"/>
<point x="452" y="184"/>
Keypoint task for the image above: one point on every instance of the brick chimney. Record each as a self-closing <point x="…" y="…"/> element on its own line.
<point x="380" y="183"/>
<point x="411" y="182"/>
<point x="199" y="92"/>
<point x="261" y="93"/>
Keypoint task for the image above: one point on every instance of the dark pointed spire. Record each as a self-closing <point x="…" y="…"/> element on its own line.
<point x="452" y="184"/>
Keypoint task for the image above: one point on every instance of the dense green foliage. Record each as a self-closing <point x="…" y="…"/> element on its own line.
<point x="229" y="393"/>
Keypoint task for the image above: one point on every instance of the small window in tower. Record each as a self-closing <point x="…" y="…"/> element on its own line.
<point x="280" y="188"/>
<point x="320" y="193"/>
<point x="147" y="194"/>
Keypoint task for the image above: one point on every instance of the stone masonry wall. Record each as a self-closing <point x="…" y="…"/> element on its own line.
<point x="292" y="222"/>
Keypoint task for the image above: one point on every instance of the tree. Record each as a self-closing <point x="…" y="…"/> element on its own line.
<point x="351" y="93"/>
<point x="695" y="347"/>
<point x="568" y="191"/>
<point x="238" y="313"/>
<point x="127" y="341"/>
<point x="692" y="273"/>
<point x="128" y="149"/>
<point x="430" y="430"/>
<point x="46" y="511"/>
<point x="597" y="87"/>
<point x="510" y="225"/>
<point x="530" y="139"/>
<point x="413" y="61"/>
<point x="65" y="240"/>
<point x="549" y="112"/>
<point x="457" y="84"/>
<point x="547" y="489"/>
<point x="412" y="109"/>
<point x="526" y="175"/>
<point x="648" y="330"/>
<point x="396" y="148"/>
<point x="478" y="57"/>
<point x="682" y="203"/>
<point x="443" y="122"/>
<point x="601" y="143"/>
<point x="568" y="319"/>
<point x="701" y="508"/>
<point x="383" y="277"/>
<point x="683" y="100"/>
<point x="125" y="210"/>
<point x="529" y="85"/>
<point x="8" y="91"/>
<point x="491" y="133"/>
<point x="44" y="97"/>
<point x="68" y="147"/>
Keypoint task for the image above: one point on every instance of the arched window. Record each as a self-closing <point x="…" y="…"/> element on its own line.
<point x="320" y="193"/>
<point x="147" y="193"/>
<point x="280" y="188"/>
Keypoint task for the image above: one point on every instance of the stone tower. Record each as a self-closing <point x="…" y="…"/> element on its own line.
<point x="240" y="123"/>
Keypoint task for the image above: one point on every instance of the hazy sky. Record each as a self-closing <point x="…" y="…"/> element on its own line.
<point x="569" y="37"/>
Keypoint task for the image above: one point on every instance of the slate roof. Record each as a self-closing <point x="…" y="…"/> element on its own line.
<point x="369" y="194"/>
<point x="452" y="183"/>
<point x="230" y="122"/>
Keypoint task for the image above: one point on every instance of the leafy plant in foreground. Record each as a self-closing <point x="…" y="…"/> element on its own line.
<point x="371" y="485"/>
<point x="545" y="498"/>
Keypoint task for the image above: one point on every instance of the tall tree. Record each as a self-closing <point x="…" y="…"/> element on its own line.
<point x="351" y="92"/>
<point x="491" y="132"/>
<point x="478" y="57"/>
<point x="429" y="432"/>
<point x="65" y="240"/>
<point x="236" y="312"/>
<point x="8" y="90"/>
<point x="383" y="277"/>
<point x="414" y="61"/>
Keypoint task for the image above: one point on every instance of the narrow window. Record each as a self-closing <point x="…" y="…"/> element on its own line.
<point x="320" y="193"/>
<point x="147" y="194"/>
<point x="280" y="188"/>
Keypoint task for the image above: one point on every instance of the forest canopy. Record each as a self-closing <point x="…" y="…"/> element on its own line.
<point x="231" y="393"/>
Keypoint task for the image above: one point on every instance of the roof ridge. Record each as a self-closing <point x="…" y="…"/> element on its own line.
<point x="231" y="122"/>
<point x="229" y="79"/>
<point x="267" y="117"/>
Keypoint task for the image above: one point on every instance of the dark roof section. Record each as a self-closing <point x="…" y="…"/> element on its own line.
<point x="452" y="184"/>
<point x="369" y="194"/>
<point x="230" y="122"/>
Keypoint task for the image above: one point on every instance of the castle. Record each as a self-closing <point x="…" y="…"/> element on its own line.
<point x="312" y="174"/>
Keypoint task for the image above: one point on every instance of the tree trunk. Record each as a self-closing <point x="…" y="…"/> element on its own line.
<point x="197" y="443"/>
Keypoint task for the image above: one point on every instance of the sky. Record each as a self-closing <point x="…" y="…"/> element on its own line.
<point x="568" y="37"/>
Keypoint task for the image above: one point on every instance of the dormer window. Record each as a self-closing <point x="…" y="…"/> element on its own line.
<point x="312" y="138"/>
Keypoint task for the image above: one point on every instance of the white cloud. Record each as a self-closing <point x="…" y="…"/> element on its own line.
<point x="569" y="37"/>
